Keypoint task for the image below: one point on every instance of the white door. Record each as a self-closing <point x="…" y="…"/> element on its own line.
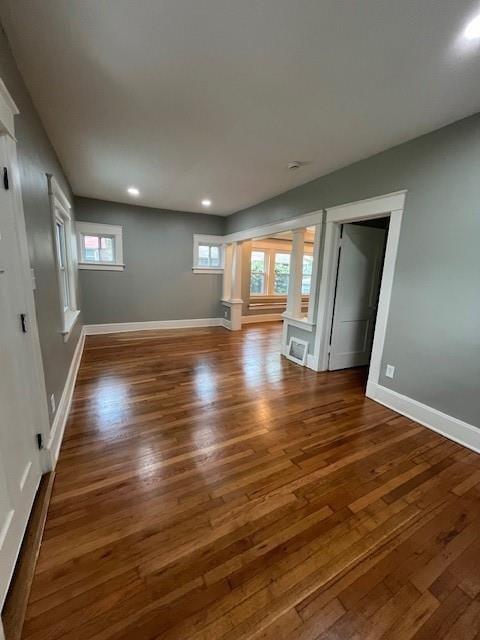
<point x="358" y="283"/>
<point x="20" y="466"/>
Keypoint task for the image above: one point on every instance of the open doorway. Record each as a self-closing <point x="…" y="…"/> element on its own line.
<point x="359" y="266"/>
<point x="269" y="278"/>
<point x="389" y="206"/>
<point x="267" y="270"/>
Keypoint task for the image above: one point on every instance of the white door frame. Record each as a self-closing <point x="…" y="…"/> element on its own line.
<point x="392" y="205"/>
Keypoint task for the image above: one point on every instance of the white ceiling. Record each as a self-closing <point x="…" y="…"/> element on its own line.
<point x="188" y="99"/>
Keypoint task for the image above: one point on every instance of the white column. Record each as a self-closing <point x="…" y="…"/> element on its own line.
<point x="294" y="299"/>
<point x="227" y="272"/>
<point x="237" y="272"/>
<point x="232" y="285"/>
<point x="236" y="302"/>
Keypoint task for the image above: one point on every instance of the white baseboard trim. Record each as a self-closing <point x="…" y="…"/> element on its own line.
<point x="262" y="317"/>
<point x="120" y="327"/>
<point x="63" y="408"/>
<point x="226" y="324"/>
<point x="452" y="428"/>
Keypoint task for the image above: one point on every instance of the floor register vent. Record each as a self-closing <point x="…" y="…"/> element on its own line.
<point x="297" y="351"/>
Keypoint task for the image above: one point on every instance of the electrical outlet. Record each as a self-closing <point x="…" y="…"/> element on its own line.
<point x="390" y="371"/>
<point x="225" y="315"/>
<point x="52" y="402"/>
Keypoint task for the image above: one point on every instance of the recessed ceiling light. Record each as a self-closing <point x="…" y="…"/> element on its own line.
<point x="473" y="29"/>
<point x="133" y="191"/>
<point x="206" y="202"/>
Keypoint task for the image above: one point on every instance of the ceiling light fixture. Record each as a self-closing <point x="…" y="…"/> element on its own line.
<point x="133" y="191"/>
<point x="206" y="202"/>
<point x="472" y="30"/>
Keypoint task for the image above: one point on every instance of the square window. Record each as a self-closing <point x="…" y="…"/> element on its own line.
<point x="100" y="246"/>
<point x="207" y="254"/>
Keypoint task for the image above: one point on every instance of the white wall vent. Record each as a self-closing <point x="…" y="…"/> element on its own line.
<point x="297" y="351"/>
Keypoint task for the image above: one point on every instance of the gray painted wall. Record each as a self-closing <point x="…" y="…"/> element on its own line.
<point x="433" y="333"/>
<point x="36" y="158"/>
<point x="158" y="282"/>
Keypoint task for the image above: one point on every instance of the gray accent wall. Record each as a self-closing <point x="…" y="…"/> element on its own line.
<point x="433" y="333"/>
<point x="37" y="157"/>
<point x="158" y="282"/>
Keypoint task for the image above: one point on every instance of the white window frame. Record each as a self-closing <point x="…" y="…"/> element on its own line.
<point x="100" y="229"/>
<point x="66" y="274"/>
<point x="208" y="240"/>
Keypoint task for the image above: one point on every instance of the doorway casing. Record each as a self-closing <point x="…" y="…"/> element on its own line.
<point x="391" y="205"/>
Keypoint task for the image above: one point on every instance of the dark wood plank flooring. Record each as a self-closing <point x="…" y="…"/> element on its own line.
<point x="209" y="489"/>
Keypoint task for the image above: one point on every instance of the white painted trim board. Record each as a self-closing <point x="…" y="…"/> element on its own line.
<point x="63" y="409"/>
<point x="121" y="327"/>
<point x="452" y="428"/>
<point x="262" y="317"/>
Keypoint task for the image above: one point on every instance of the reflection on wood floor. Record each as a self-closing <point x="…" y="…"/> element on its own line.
<point x="208" y="488"/>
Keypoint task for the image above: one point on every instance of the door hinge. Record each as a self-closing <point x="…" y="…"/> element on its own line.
<point x="6" y="185"/>
<point x="40" y="441"/>
<point x="23" y="322"/>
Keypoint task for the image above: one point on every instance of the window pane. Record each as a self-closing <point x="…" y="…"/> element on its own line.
<point x="282" y="263"/>
<point x="282" y="270"/>
<point x="62" y="260"/>
<point x="66" y="293"/>
<point x="258" y="262"/>
<point x="106" y="249"/>
<point x="307" y="265"/>
<point x="61" y="244"/>
<point x="91" y="246"/>
<point x="280" y="284"/>
<point x="91" y="242"/>
<point x="306" y="283"/>
<point x="214" y="256"/>
<point x="257" y="283"/>
<point x="203" y="255"/>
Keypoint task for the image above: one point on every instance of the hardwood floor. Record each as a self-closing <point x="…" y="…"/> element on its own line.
<point x="209" y="489"/>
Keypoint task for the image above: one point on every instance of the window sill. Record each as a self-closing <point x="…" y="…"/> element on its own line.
<point x="70" y="321"/>
<point x="206" y="270"/>
<point x="101" y="267"/>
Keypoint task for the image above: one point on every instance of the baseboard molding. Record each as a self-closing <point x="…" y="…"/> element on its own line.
<point x="262" y="317"/>
<point x="121" y="327"/>
<point x="63" y="408"/>
<point x="226" y="324"/>
<point x="452" y="428"/>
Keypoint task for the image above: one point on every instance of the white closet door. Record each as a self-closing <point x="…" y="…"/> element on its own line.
<point x="356" y="297"/>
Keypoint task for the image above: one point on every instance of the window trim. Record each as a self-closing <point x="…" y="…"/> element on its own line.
<point x="61" y="214"/>
<point x="100" y="229"/>
<point x="208" y="240"/>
